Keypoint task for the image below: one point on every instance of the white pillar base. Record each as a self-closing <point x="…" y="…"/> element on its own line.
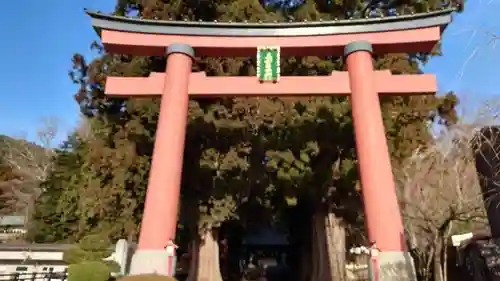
<point x="159" y="262"/>
<point x="396" y="266"/>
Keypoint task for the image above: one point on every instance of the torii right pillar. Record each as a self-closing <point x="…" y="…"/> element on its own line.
<point x="383" y="216"/>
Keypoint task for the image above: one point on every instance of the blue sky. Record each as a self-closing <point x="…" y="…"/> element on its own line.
<point x="42" y="38"/>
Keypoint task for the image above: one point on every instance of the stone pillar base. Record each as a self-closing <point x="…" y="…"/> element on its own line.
<point x="396" y="266"/>
<point x="158" y="262"/>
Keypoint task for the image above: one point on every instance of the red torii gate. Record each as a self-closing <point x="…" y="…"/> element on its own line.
<point x="356" y="40"/>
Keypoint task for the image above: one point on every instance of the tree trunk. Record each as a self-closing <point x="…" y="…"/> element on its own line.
<point x="306" y="261"/>
<point x="335" y="234"/>
<point x="438" y="265"/>
<point x="318" y="248"/>
<point x="204" y="264"/>
<point x="328" y="248"/>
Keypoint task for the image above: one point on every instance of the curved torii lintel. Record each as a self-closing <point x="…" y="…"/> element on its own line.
<point x="408" y="33"/>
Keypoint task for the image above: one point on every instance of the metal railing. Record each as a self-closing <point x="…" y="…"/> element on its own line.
<point x="34" y="276"/>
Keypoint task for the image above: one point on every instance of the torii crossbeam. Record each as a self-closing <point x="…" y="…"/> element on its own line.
<point x="335" y="84"/>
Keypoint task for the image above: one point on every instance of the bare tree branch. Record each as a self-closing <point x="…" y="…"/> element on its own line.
<point x="440" y="192"/>
<point x="24" y="166"/>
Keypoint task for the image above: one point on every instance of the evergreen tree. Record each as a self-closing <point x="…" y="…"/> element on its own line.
<point x="55" y="216"/>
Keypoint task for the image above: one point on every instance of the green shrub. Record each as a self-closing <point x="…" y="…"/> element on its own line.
<point x="74" y="255"/>
<point x="146" y="277"/>
<point x="95" y="243"/>
<point x="91" y="248"/>
<point x="89" y="271"/>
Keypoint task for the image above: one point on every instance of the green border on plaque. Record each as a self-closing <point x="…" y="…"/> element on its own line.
<point x="268" y="63"/>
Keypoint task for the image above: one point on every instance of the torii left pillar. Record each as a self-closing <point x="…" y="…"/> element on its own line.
<point x="155" y="253"/>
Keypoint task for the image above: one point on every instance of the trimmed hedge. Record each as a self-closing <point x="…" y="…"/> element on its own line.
<point x="89" y="271"/>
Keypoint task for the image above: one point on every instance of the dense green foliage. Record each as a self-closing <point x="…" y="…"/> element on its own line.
<point x="249" y="159"/>
<point x="90" y="248"/>
<point x="90" y="252"/>
<point x="88" y="271"/>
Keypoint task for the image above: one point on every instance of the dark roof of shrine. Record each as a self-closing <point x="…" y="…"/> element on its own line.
<point x="102" y="21"/>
